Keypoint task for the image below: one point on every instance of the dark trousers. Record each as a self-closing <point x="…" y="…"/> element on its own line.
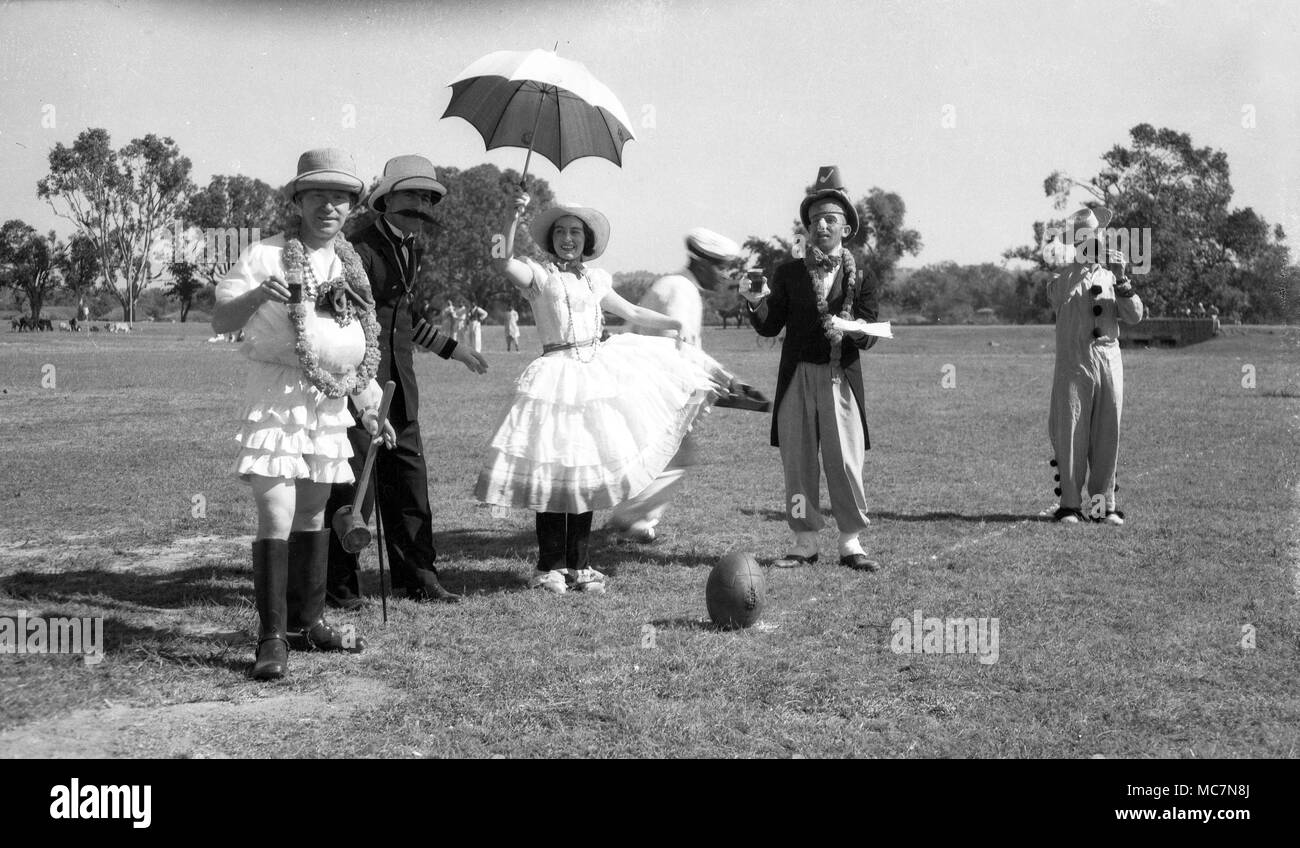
<point x="402" y="484"/>
<point x="563" y="540"/>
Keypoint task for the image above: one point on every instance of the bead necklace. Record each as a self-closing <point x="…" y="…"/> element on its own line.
<point x="600" y="316"/>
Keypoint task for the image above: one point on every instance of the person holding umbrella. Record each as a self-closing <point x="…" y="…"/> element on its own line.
<point x="305" y="303"/>
<point x="592" y="422"/>
<point x="390" y="256"/>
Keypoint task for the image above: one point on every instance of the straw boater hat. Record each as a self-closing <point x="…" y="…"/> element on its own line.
<point x="407" y="173"/>
<point x="540" y="228"/>
<point x="1086" y="220"/>
<point x="706" y="244"/>
<point x="829" y="187"/>
<point x="326" y="168"/>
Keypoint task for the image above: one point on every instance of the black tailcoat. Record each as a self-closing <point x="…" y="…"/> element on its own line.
<point x="792" y="306"/>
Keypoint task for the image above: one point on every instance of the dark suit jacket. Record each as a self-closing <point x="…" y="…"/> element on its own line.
<point x="395" y="306"/>
<point x="792" y="306"/>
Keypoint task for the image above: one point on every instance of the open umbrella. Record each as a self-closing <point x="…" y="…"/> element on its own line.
<point x="537" y="100"/>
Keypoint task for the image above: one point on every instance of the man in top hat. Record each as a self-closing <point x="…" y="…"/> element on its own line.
<point x="1090" y="297"/>
<point x="403" y="201"/>
<point x="679" y="296"/>
<point x="819" y="392"/>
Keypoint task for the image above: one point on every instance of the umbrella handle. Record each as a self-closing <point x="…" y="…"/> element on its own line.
<point x="532" y="137"/>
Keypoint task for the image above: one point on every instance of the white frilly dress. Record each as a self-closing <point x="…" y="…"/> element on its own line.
<point x="290" y="429"/>
<point x="593" y="423"/>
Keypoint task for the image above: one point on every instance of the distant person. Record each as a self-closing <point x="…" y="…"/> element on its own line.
<point x="1214" y="319"/>
<point x="679" y="295"/>
<point x="459" y="315"/>
<point x="449" y="319"/>
<point x="512" y="330"/>
<point x="1090" y="297"/>
<point x="820" y="403"/>
<point x="1200" y="310"/>
<point x="312" y="343"/>
<point x="474" y="318"/>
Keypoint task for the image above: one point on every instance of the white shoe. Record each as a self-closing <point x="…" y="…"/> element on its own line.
<point x="555" y="580"/>
<point x="1115" y="518"/>
<point x="850" y="544"/>
<point x="587" y="580"/>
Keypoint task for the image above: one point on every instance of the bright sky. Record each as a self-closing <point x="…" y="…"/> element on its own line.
<point x="735" y="104"/>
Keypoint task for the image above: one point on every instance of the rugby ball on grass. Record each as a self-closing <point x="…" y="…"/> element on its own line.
<point x="736" y="591"/>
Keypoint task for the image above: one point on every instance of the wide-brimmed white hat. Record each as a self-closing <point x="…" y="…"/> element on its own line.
<point x="407" y="173"/>
<point x="1089" y="219"/>
<point x="540" y="228"/>
<point x="325" y="168"/>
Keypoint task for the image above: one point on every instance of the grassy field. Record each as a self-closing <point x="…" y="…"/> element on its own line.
<point x="1113" y="642"/>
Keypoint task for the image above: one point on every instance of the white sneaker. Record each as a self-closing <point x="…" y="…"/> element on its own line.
<point x="555" y="580"/>
<point x="587" y="580"/>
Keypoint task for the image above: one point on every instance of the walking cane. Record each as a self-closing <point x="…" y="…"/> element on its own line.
<point x="349" y="523"/>
<point x="379" y="549"/>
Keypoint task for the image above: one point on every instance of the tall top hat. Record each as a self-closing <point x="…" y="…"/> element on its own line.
<point x="829" y="187"/>
<point x="407" y="173"/>
<point x="325" y="168"/>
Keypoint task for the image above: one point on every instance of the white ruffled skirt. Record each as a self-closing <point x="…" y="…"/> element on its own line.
<point x="291" y="429"/>
<point x="581" y="436"/>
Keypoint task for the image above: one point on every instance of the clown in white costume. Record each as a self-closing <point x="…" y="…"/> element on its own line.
<point x="1090" y="298"/>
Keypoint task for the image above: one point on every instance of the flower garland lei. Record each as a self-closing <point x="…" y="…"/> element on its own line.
<point x="295" y="263"/>
<point x="815" y="259"/>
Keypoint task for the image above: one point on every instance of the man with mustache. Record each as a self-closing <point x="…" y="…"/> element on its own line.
<point x="404" y="200"/>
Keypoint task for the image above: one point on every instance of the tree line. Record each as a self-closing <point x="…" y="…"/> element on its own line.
<point x="141" y="221"/>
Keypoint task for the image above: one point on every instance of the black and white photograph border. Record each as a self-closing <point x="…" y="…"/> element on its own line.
<point x="947" y="249"/>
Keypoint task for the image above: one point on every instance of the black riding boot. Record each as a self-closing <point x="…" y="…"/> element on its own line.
<point x="270" y="571"/>
<point x="308" y="564"/>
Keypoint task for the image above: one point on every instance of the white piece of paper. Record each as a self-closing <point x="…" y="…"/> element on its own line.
<point x="880" y="329"/>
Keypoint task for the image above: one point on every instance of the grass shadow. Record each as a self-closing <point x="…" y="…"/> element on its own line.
<point x="225" y="585"/>
<point x="990" y="518"/>
<point x="609" y="548"/>
<point x="687" y="624"/>
<point x="765" y="514"/>
<point x="454" y="577"/>
<point x="175" y="647"/>
<point x="478" y="544"/>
